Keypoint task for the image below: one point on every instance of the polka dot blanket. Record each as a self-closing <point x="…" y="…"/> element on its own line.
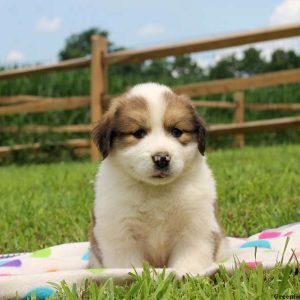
<point x="23" y="274"/>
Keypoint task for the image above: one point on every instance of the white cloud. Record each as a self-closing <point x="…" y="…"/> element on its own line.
<point x="48" y="25"/>
<point x="14" y="56"/>
<point x="288" y="11"/>
<point x="151" y="30"/>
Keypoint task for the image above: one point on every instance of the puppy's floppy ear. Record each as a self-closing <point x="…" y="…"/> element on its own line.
<point x="199" y="123"/>
<point x="103" y="134"/>
<point x="201" y="134"/>
<point x="200" y="128"/>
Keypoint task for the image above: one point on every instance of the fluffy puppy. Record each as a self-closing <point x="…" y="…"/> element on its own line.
<point x="155" y="194"/>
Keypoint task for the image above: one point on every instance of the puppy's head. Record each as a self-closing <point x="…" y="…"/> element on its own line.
<point x="151" y="133"/>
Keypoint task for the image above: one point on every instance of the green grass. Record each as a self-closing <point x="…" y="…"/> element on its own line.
<point x="243" y="284"/>
<point x="44" y="205"/>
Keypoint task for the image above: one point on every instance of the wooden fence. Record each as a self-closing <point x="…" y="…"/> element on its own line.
<point x="99" y="99"/>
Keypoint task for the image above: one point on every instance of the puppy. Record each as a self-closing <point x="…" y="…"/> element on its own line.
<point x="155" y="194"/>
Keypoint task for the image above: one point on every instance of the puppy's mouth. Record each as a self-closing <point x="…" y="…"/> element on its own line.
<point x="160" y="174"/>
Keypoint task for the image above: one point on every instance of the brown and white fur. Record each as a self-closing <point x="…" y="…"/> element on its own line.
<point x="164" y="214"/>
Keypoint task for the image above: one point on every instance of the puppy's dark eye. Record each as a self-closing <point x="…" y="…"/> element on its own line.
<point x="140" y="133"/>
<point x="176" y="132"/>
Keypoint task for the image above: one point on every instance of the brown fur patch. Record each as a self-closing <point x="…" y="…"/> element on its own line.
<point x="216" y="212"/>
<point x="126" y="115"/>
<point x="132" y="114"/>
<point x="94" y="246"/>
<point x="181" y="114"/>
<point x="216" y="237"/>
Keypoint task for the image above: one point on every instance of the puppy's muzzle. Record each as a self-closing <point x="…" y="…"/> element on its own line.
<point x="161" y="160"/>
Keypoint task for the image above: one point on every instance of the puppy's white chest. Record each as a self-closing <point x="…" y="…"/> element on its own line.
<point x="153" y="223"/>
<point x="155" y="232"/>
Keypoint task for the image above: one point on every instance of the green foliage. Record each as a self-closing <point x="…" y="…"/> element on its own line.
<point x="226" y="67"/>
<point x="252" y="63"/>
<point x="185" y="68"/>
<point x="79" y="45"/>
<point x="282" y="60"/>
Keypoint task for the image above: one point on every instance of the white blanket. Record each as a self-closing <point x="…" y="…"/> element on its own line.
<point x="27" y="273"/>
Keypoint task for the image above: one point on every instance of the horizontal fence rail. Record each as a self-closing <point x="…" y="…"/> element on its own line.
<point x="43" y="128"/>
<point x="35" y="104"/>
<point x="273" y="106"/>
<point x="214" y="104"/>
<point x="250" y="106"/>
<point x="217" y="42"/>
<point x="66" y="103"/>
<point x="19" y="99"/>
<point x="255" y="126"/>
<point x="60" y="66"/>
<point x="75" y="143"/>
<point x="239" y="84"/>
<point x="234" y="84"/>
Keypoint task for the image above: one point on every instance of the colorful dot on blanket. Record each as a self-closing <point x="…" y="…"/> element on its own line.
<point x="10" y="263"/>
<point x="86" y="256"/>
<point x="52" y="270"/>
<point x="288" y="233"/>
<point x="257" y="243"/>
<point x="42" y="253"/>
<point x="5" y="274"/>
<point x="269" y="235"/>
<point x="40" y="293"/>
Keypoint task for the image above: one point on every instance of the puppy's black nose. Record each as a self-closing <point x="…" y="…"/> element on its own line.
<point x="161" y="159"/>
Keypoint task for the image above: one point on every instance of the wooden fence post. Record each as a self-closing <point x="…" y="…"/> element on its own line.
<point x="239" y="113"/>
<point x="98" y="84"/>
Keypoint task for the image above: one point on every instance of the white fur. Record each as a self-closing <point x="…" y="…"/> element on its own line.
<point x="138" y="216"/>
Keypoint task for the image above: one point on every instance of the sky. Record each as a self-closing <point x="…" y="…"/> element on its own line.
<point x="33" y="31"/>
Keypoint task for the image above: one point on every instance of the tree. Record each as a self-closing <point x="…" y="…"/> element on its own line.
<point x="252" y="63"/>
<point x="227" y="67"/>
<point x="282" y="60"/>
<point x="79" y="44"/>
<point x="186" y="70"/>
